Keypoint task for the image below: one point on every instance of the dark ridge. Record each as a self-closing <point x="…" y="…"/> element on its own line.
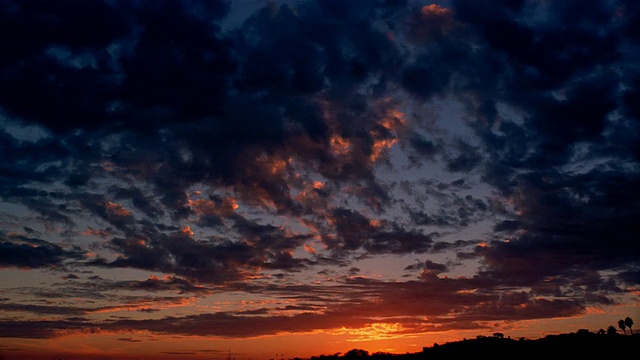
<point x="583" y="344"/>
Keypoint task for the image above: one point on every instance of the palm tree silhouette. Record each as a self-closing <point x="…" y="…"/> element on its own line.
<point x="629" y="323"/>
<point x="622" y="326"/>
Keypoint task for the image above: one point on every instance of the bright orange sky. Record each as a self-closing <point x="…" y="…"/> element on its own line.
<point x="373" y="338"/>
<point x="383" y="336"/>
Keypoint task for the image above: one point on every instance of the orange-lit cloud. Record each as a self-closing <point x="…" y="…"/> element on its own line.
<point x="386" y="133"/>
<point x="379" y="146"/>
<point x="340" y="146"/>
<point x="310" y="249"/>
<point x="117" y="209"/>
<point x="434" y="10"/>
<point x="96" y="232"/>
<point x="187" y="230"/>
<point x="147" y="304"/>
<point x="207" y="207"/>
<point x="431" y="22"/>
<point x="373" y="332"/>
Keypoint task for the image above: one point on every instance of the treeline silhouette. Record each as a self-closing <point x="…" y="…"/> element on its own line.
<point x="580" y="344"/>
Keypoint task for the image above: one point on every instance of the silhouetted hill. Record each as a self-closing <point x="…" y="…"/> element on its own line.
<point x="573" y="345"/>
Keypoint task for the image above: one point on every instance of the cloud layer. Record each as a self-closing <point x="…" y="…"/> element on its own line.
<point x="272" y="155"/>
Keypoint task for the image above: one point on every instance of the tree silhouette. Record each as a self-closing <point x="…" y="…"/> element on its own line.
<point x="356" y="354"/>
<point x="611" y="330"/>
<point x="583" y="332"/>
<point x="622" y="326"/>
<point x="629" y="323"/>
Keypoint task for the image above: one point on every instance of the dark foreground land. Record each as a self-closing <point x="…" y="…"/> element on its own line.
<point x="573" y="346"/>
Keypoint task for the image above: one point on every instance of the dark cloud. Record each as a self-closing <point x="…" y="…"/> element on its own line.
<point x="43" y="309"/>
<point x="73" y="59"/>
<point x="139" y="200"/>
<point x="307" y="137"/>
<point x="44" y="329"/>
<point x="428" y="266"/>
<point x="146" y="304"/>
<point x="355" y="231"/>
<point x="567" y="217"/>
<point x="155" y="284"/>
<point x="129" y="340"/>
<point x="368" y="300"/>
<point x="184" y="256"/>
<point x="23" y="252"/>
<point x="466" y="160"/>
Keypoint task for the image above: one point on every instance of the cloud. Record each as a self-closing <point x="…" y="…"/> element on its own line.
<point x="84" y="310"/>
<point x="129" y="340"/>
<point x="38" y="329"/>
<point x="42" y="309"/>
<point x="308" y="138"/>
<point x="551" y="206"/>
<point x="22" y="252"/>
<point x="369" y="301"/>
<point x="183" y="256"/>
<point x="154" y="284"/>
<point x="430" y="23"/>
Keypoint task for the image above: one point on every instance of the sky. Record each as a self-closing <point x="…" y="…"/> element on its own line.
<point x="263" y="179"/>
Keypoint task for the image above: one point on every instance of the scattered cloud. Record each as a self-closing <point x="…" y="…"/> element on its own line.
<point x="158" y="156"/>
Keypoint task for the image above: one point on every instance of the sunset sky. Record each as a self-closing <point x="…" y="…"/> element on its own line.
<point x="262" y="179"/>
